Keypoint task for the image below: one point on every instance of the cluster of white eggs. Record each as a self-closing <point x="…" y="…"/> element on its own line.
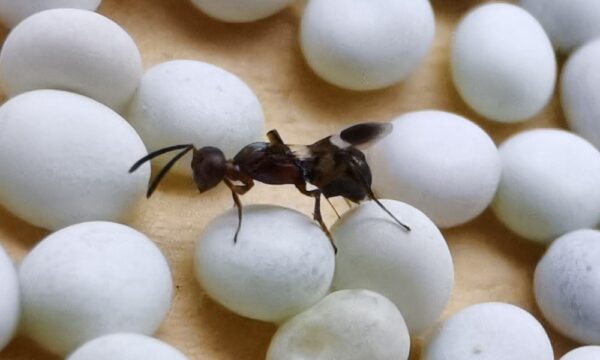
<point x="95" y="289"/>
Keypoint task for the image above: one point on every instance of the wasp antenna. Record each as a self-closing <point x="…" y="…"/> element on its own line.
<point x="154" y="183"/>
<point x="156" y="153"/>
<point x="373" y="197"/>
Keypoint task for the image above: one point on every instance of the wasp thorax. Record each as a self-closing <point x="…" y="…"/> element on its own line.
<point x="208" y="165"/>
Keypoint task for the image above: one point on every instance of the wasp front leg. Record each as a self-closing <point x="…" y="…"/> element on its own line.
<point x="237" y="190"/>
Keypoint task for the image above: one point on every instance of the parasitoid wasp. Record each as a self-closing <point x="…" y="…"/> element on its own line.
<point x="334" y="165"/>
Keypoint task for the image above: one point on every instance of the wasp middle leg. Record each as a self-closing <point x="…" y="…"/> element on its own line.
<point x="317" y="211"/>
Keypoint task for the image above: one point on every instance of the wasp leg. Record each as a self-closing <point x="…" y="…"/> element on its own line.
<point x="237" y="190"/>
<point x="350" y="206"/>
<point x="333" y="207"/>
<point x="317" y="211"/>
<point x="274" y="137"/>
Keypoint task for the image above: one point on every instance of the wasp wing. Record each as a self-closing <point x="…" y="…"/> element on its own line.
<point x="361" y="135"/>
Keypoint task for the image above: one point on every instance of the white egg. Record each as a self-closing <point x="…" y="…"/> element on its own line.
<point x="549" y="184"/>
<point x="569" y="23"/>
<point x="441" y="163"/>
<point x="10" y="302"/>
<point x="583" y="353"/>
<point x="126" y="346"/>
<point x="346" y="324"/>
<point x="413" y="269"/>
<point x="184" y="101"/>
<point x="92" y="279"/>
<point x="240" y="10"/>
<point x="281" y="264"/>
<point x="490" y="331"/>
<point x="503" y="63"/>
<point x="567" y="285"/>
<point x="580" y="91"/>
<point x="64" y="159"/>
<point x="74" y="50"/>
<point x="13" y="11"/>
<point x="366" y="45"/>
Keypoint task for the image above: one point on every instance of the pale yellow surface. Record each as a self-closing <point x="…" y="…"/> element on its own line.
<point x="491" y="264"/>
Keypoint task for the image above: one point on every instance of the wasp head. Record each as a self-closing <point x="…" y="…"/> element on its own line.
<point x="208" y="166"/>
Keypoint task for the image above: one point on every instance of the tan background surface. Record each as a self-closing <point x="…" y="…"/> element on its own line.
<point x="491" y="264"/>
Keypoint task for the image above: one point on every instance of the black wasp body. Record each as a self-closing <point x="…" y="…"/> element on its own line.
<point x="333" y="166"/>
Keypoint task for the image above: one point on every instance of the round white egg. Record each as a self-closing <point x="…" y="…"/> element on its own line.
<point x="568" y="23"/>
<point x="503" y="63"/>
<point x="366" y="45"/>
<point x="567" y="285"/>
<point x="441" y="163"/>
<point x="64" y="159"/>
<point x="185" y="101"/>
<point x="346" y="324"/>
<point x="281" y="264"/>
<point x="13" y="11"/>
<point x="240" y="10"/>
<point x="411" y="268"/>
<point x="580" y="91"/>
<point x="92" y="279"/>
<point x="490" y="331"/>
<point x="10" y="303"/>
<point x="583" y="353"/>
<point x="126" y="346"/>
<point x="549" y="184"/>
<point x="73" y="50"/>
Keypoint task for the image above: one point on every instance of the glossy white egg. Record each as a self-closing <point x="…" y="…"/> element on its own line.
<point x="14" y="11"/>
<point x="583" y="353"/>
<point x="548" y="185"/>
<point x="580" y="92"/>
<point x="346" y="324"/>
<point x="411" y="268"/>
<point x="503" y="63"/>
<point x="126" y="346"/>
<point x="490" y="331"/>
<point x="64" y="159"/>
<point x="73" y="50"/>
<point x="92" y="279"/>
<point x="237" y="11"/>
<point x="569" y="23"/>
<point x="10" y="300"/>
<point x="281" y="264"/>
<point x="185" y="101"/>
<point x="567" y="285"/>
<point x="439" y="162"/>
<point x="366" y="45"/>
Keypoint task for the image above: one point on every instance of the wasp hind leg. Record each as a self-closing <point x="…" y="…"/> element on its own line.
<point x="333" y="207"/>
<point x="361" y="178"/>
